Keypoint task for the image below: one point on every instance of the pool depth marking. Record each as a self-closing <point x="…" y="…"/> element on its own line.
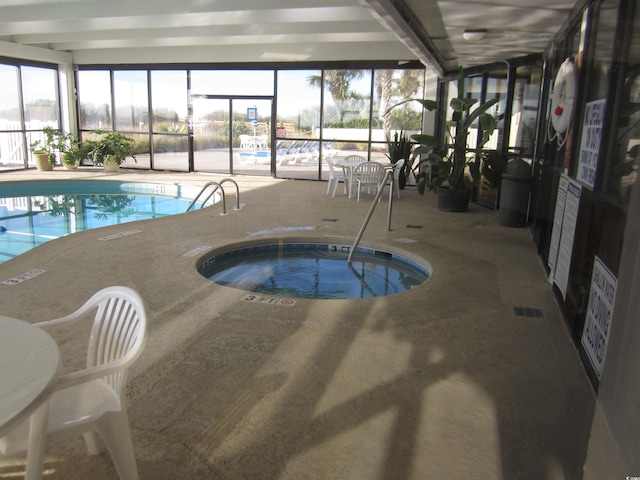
<point x="196" y="251"/>
<point x="34" y="272"/>
<point x="119" y="235"/>
<point x="282" y="302"/>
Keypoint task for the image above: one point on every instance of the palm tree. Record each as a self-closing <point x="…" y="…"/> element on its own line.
<point x="338" y="82"/>
<point x="392" y="90"/>
<point x="384" y="89"/>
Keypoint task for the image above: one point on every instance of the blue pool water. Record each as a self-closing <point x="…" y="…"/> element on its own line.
<point x="32" y="213"/>
<point x="314" y="270"/>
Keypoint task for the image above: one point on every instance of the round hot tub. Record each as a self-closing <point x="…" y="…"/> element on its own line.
<point x="314" y="270"/>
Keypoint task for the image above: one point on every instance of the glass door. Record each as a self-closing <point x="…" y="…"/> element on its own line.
<point x="231" y="135"/>
<point x="251" y="132"/>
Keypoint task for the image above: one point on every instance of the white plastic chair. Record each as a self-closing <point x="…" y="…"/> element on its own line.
<point x="247" y="143"/>
<point x="368" y="174"/>
<point x="92" y="400"/>
<point x="334" y="179"/>
<point x="349" y="164"/>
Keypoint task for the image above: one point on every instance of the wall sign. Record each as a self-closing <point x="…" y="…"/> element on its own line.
<point x="563" y="232"/>
<point x="590" y="143"/>
<point x="602" y="295"/>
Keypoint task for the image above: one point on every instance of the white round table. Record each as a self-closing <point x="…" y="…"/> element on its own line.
<point x="29" y="368"/>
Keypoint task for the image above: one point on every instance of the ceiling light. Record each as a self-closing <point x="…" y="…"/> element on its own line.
<point x="474" y="35"/>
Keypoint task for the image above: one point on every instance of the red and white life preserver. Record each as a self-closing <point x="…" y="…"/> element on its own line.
<point x="563" y="97"/>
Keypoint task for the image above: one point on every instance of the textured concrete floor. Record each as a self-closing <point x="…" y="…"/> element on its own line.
<point x="442" y="382"/>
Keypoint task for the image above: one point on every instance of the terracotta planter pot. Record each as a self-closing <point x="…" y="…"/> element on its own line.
<point x="453" y="200"/>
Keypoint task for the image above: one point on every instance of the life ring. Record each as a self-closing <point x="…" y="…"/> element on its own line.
<point x="563" y="97"/>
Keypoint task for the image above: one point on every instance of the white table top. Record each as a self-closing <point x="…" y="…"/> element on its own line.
<point x="29" y="368"/>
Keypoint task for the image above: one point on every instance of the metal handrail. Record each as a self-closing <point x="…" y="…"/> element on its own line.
<point x="388" y="173"/>
<point x="215" y="189"/>
<point x="237" y="207"/>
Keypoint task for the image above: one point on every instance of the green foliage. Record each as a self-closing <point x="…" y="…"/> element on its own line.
<point x="54" y="141"/>
<point x="113" y="144"/>
<point x="399" y="147"/>
<point x="353" y="123"/>
<point x="454" y="164"/>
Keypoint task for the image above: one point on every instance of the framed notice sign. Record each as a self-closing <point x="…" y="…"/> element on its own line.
<point x="252" y="114"/>
<point x="590" y="143"/>
<point x="602" y="296"/>
<point x="562" y="235"/>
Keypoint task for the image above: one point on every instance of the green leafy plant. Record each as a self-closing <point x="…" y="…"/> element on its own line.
<point x="54" y="141"/>
<point x="112" y="145"/>
<point x="399" y="147"/>
<point x="453" y="164"/>
<point x="73" y="156"/>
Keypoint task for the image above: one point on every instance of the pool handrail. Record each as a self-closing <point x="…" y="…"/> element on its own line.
<point x="387" y="174"/>
<point x="217" y="185"/>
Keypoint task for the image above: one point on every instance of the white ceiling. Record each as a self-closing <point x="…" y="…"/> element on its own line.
<point x="222" y="31"/>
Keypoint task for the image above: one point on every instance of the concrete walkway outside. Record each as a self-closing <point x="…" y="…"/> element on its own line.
<point x="445" y="381"/>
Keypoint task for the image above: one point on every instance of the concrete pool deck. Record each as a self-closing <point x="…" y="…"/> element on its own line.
<point x="445" y="381"/>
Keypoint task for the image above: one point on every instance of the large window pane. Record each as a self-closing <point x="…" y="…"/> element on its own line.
<point x="347" y="102"/>
<point x="496" y="89"/>
<point x="40" y="102"/>
<point x="12" y="146"/>
<point x="622" y="168"/>
<point x="232" y="82"/>
<point x="40" y="97"/>
<point x="298" y="124"/>
<point x="169" y="100"/>
<point x="298" y="104"/>
<point x="94" y="98"/>
<point x="9" y="98"/>
<point x="524" y="111"/>
<point x="131" y="101"/>
<point x="392" y="87"/>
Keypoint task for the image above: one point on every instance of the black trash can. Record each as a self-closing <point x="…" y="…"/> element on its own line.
<point x="514" y="194"/>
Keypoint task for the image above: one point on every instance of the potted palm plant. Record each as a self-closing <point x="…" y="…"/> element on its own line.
<point x="111" y="149"/>
<point x="452" y="169"/>
<point x="400" y="147"/>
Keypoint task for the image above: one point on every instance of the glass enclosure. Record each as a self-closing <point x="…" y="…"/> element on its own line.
<point x="223" y="121"/>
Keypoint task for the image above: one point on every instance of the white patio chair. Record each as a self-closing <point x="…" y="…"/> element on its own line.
<point x="349" y="164"/>
<point x="92" y="400"/>
<point x="247" y="143"/>
<point x="370" y="175"/>
<point x="334" y="179"/>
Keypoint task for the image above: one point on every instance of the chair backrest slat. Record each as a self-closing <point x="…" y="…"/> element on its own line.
<point x="119" y="328"/>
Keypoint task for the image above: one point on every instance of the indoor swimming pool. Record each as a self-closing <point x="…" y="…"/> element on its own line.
<point x="32" y="213"/>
